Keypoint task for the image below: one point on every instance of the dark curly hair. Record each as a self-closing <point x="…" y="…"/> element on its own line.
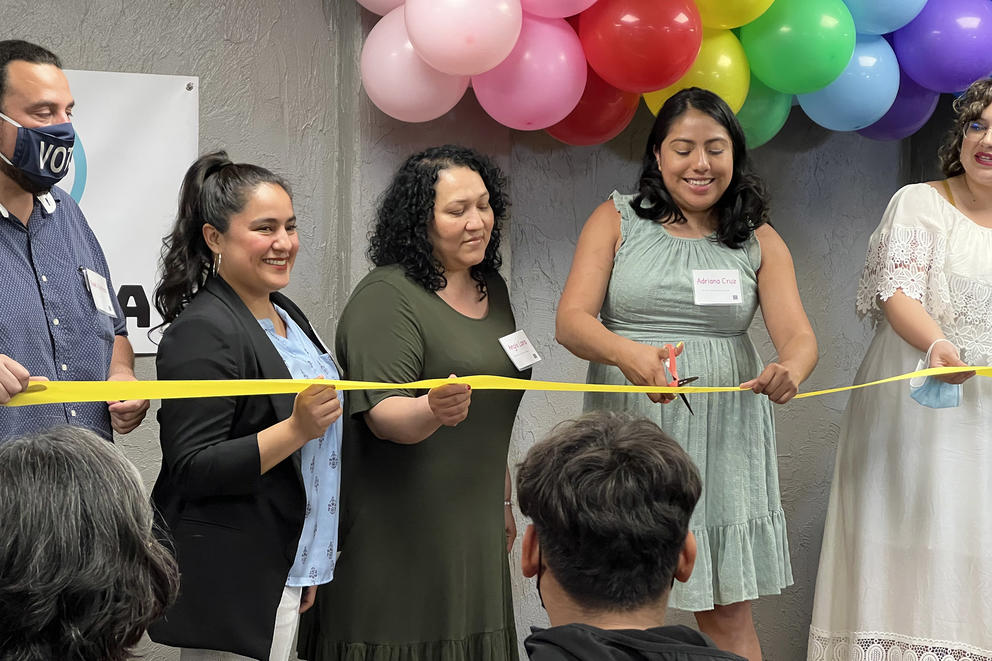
<point x="742" y="207"/>
<point x="406" y="210"/>
<point x="967" y="108"/>
<point x="82" y="572"/>
<point x="213" y="190"/>
<point x="610" y="495"/>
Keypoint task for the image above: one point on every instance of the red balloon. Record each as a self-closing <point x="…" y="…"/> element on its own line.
<point x="603" y="112"/>
<point x="641" y="45"/>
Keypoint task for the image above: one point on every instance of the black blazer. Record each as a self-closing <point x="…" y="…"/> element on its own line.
<point x="234" y="531"/>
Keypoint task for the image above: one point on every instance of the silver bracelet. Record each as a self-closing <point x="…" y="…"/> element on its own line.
<point x="507" y="503"/>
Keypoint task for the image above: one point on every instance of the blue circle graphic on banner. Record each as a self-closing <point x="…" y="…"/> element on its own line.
<point x="79" y="177"/>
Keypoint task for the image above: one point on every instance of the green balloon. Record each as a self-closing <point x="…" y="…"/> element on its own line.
<point x="764" y="113"/>
<point x="800" y="46"/>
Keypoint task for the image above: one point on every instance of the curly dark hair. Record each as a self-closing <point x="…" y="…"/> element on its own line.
<point x="406" y="210"/>
<point x="967" y="108"/>
<point x="610" y="495"/>
<point x="742" y="207"/>
<point x="83" y="574"/>
<point x="213" y="190"/>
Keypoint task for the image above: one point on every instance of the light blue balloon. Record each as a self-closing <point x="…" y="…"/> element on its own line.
<point x="862" y="93"/>
<point x="883" y="16"/>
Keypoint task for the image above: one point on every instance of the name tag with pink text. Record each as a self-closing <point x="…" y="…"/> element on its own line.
<point x="716" y="286"/>
<point x="519" y="349"/>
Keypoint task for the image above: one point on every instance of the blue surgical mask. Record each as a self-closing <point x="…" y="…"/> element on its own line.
<point x="933" y="392"/>
<point x="937" y="394"/>
<point x="42" y="154"/>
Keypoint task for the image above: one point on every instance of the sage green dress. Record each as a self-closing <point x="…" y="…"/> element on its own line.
<point x="423" y="571"/>
<point x="743" y="551"/>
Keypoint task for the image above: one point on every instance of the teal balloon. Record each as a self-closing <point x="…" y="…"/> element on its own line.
<point x="800" y="46"/>
<point x="764" y="113"/>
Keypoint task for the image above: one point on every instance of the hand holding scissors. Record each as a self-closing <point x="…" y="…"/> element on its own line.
<point x="676" y="382"/>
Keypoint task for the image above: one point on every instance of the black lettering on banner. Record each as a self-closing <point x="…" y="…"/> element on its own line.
<point x="135" y="304"/>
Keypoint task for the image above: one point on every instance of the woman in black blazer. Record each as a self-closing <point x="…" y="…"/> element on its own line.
<point x="231" y="492"/>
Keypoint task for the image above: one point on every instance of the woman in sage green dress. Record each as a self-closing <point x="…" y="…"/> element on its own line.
<point x="426" y="525"/>
<point x="688" y="259"/>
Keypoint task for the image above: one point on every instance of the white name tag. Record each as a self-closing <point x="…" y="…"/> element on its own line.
<point x="97" y="284"/>
<point x="519" y="349"/>
<point x="716" y="286"/>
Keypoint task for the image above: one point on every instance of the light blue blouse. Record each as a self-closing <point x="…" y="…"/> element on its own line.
<point x="321" y="461"/>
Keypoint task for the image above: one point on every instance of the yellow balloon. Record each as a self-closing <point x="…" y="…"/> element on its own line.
<point x="720" y="67"/>
<point x="726" y="14"/>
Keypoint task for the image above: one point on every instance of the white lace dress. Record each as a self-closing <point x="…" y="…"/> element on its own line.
<point x="906" y="564"/>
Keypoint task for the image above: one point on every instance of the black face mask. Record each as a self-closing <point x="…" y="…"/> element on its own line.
<point x="540" y="568"/>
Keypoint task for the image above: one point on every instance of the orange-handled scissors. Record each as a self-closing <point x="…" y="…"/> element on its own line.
<point x="676" y="382"/>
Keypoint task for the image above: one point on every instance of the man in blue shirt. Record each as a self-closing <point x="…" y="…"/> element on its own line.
<point x="59" y="316"/>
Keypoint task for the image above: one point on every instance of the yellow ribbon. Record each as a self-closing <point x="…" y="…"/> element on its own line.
<point x="60" y="392"/>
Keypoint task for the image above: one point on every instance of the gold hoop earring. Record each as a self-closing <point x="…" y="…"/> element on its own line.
<point x="217" y="259"/>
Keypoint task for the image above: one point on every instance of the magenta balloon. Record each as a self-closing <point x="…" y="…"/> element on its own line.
<point x="556" y="8"/>
<point x="401" y="84"/>
<point x="948" y="45"/>
<point x="463" y="37"/>
<point x="381" y="7"/>
<point x="540" y="82"/>
<point x="912" y="108"/>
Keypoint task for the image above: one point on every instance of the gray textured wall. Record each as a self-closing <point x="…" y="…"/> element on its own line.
<point x="279" y="86"/>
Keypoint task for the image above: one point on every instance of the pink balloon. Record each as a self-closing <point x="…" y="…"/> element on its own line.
<point x="463" y="37"/>
<point x="556" y="8"/>
<point x="540" y="82"/>
<point x="401" y="84"/>
<point x="381" y="7"/>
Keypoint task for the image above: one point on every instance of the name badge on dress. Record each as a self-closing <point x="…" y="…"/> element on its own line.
<point x="520" y="350"/>
<point x="97" y="284"/>
<point x="716" y="286"/>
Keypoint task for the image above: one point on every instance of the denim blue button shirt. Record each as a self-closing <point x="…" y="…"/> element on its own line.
<point x="321" y="461"/>
<point x="48" y="321"/>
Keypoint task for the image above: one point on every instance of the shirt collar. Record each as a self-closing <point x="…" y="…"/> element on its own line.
<point x="46" y="199"/>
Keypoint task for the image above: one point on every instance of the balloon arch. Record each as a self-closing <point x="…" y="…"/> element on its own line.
<point x="578" y="68"/>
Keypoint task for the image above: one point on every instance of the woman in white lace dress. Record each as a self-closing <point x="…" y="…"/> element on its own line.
<point x="906" y="565"/>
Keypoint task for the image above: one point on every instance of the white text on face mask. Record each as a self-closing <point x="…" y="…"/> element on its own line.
<point x="61" y="155"/>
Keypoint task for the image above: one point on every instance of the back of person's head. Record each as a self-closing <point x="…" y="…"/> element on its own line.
<point x="213" y="190"/>
<point x="610" y="496"/>
<point x="19" y="50"/>
<point x="82" y="574"/>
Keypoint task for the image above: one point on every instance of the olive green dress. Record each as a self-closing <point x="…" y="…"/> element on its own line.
<point x="423" y="572"/>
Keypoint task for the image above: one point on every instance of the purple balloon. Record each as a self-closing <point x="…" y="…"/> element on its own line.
<point x="912" y="108"/>
<point x="947" y="46"/>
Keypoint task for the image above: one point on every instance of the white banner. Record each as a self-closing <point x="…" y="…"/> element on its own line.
<point x="136" y="135"/>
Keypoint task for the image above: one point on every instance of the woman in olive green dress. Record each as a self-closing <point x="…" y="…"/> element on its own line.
<point x="425" y="525"/>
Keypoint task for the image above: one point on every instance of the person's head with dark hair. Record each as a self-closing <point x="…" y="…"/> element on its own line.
<point x="24" y="51"/>
<point x="235" y="220"/>
<point x="695" y="162"/>
<point x="610" y="496"/>
<point x="966" y="132"/>
<point x="442" y="212"/>
<point x="35" y="104"/>
<point x="83" y="575"/>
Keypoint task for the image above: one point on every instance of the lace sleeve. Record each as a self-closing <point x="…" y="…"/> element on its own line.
<point x="910" y="259"/>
